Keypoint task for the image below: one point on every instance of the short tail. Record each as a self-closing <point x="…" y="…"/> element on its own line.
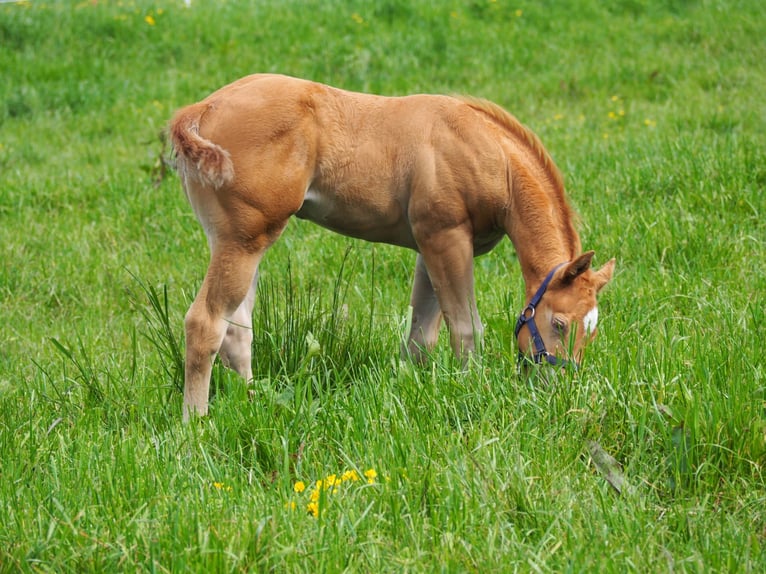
<point x="197" y="157"/>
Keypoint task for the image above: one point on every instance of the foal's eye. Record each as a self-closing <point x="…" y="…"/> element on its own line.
<point x="560" y="325"/>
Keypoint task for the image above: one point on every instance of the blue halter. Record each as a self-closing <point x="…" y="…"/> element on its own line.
<point x="527" y="317"/>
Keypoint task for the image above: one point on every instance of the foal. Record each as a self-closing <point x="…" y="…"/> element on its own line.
<point x="447" y="177"/>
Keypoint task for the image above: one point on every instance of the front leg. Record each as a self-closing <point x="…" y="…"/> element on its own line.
<point x="426" y="314"/>
<point x="448" y="256"/>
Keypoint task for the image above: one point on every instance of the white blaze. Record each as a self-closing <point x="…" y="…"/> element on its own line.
<point x="591" y="320"/>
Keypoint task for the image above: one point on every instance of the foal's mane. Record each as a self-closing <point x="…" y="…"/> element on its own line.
<point x="519" y="131"/>
<point x="526" y="136"/>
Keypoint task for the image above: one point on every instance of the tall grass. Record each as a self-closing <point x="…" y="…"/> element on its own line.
<point x="649" y="458"/>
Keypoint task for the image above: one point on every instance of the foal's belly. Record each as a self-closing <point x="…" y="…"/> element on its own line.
<point x="381" y="222"/>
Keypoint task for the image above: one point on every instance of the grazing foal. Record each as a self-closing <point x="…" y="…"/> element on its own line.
<point x="445" y="176"/>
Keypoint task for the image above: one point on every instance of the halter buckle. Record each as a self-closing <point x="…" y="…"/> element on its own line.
<point x="531" y="310"/>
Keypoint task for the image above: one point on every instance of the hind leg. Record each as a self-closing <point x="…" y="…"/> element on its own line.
<point x="229" y="278"/>
<point x="426" y="314"/>
<point x="237" y="347"/>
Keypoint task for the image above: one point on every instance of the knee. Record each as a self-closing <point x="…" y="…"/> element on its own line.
<point x="203" y="335"/>
<point x="195" y="324"/>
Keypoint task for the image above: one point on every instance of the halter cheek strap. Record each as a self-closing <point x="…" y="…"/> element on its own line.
<point x="527" y="317"/>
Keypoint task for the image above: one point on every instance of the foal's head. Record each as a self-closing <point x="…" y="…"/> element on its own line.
<point x="562" y="316"/>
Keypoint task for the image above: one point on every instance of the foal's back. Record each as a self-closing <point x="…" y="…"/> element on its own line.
<point x="360" y="164"/>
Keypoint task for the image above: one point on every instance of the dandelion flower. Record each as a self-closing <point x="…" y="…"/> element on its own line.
<point x="299" y="486"/>
<point x="351" y="475"/>
<point x="370" y="474"/>
<point x="313" y="509"/>
<point x="150" y="20"/>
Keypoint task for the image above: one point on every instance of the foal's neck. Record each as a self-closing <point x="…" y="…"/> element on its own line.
<point x="538" y="220"/>
<point x="541" y="227"/>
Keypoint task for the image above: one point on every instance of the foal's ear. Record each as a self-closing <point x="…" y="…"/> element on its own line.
<point x="577" y="267"/>
<point x="604" y="275"/>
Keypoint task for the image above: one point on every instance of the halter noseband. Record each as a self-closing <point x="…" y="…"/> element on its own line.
<point x="527" y="317"/>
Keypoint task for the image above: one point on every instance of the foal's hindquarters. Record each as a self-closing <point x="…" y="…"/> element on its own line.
<point x="242" y="215"/>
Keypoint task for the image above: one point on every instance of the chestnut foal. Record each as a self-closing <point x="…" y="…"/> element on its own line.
<point x="445" y="176"/>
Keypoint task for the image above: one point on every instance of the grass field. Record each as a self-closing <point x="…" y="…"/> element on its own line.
<point x="654" y="111"/>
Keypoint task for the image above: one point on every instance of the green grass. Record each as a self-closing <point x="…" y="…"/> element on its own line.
<point x="653" y="111"/>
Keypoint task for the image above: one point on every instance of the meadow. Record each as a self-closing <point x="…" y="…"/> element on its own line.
<point x="341" y="457"/>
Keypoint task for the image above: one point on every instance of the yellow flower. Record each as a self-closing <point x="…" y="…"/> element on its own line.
<point x="519" y="13"/>
<point x="290" y="504"/>
<point x="149" y="20"/>
<point x="315" y="495"/>
<point x="650" y="123"/>
<point x="299" y="486"/>
<point x="357" y="18"/>
<point x="351" y="475"/>
<point x="371" y="474"/>
<point x="221" y="486"/>
<point x="313" y="509"/>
